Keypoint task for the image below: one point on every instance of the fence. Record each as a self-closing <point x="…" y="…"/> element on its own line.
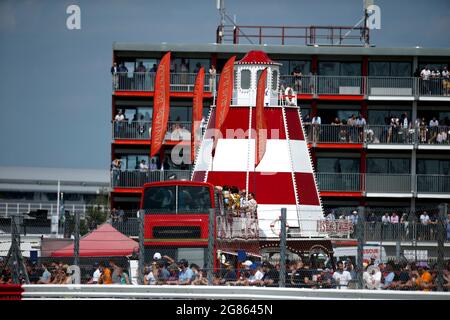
<point x="164" y="242"/>
<point x="145" y="81"/>
<point x="137" y="178"/>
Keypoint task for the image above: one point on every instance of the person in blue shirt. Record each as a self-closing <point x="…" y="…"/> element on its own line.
<point x="186" y="274"/>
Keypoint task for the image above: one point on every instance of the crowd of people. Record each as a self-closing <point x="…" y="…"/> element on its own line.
<point x="434" y="81"/>
<point x="401" y="129"/>
<point x="240" y="214"/>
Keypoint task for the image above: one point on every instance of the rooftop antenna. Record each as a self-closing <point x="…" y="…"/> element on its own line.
<point x="364" y="23"/>
<point x="220" y="5"/>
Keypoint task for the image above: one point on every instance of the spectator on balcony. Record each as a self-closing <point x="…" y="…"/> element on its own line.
<point x="296" y="73"/>
<point x="115" y="75"/>
<point x="316" y="122"/>
<point x="114" y="215"/>
<point x="123" y="74"/>
<point x="139" y="76"/>
<point x="122" y="216"/>
<point x="353" y="131"/>
<point x="212" y="79"/>
<point x="184" y="69"/>
<point x="153" y="165"/>
<point x="423" y="130"/>
<point x="197" y="67"/>
<point x="434" y="125"/>
<point x="154" y="68"/>
<point x="404" y="226"/>
<point x="143" y="167"/>
<point x="385" y="226"/>
<point x="395" y="221"/>
<point x="425" y="75"/>
<point x="442" y="136"/>
<point x="360" y="124"/>
<point x="405" y="125"/>
<point x="425" y="226"/>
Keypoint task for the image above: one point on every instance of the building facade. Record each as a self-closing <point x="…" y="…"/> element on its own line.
<point x="395" y="156"/>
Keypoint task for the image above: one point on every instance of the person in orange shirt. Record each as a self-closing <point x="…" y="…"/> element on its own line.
<point x="425" y="280"/>
<point x="105" y="277"/>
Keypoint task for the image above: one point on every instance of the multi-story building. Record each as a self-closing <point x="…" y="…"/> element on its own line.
<point x="376" y="164"/>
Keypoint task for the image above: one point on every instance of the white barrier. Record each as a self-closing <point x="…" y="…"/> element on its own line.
<point x="217" y="292"/>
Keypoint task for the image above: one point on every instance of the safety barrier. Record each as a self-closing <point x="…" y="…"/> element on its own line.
<point x="216" y="292"/>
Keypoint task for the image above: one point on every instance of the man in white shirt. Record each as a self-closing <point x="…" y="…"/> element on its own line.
<point x="434" y="122"/>
<point x="425" y="76"/>
<point x="341" y="276"/>
<point x="424" y="218"/>
<point x="385" y="225"/>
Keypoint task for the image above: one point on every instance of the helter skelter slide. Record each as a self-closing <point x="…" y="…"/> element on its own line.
<point x="284" y="176"/>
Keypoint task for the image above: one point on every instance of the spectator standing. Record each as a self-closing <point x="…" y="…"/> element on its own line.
<point x="115" y="75"/>
<point x="115" y="276"/>
<point x="385" y="225"/>
<point x="395" y="224"/>
<point x="425" y="75"/>
<point x="316" y="122"/>
<point x="186" y="274"/>
<point x="341" y="276"/>
<point x="297" y="80"/>
<point x="96" y="275"/>
<point x="105" y="274"/>
<point x="212" y="79"/>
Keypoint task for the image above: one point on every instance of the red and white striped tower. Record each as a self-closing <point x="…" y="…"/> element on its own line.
<point x="284" y="178"/>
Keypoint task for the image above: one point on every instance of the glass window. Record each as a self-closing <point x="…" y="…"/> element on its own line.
<point x="284" y="68"/>
<point x="303" y="66"/>
<point x="350" y="69"/>
<point x="433" y="166"/>
<point x="160" y="199"/>
<point x="274" y="79"/>
<point x="379" y="68"/>
<point x="338" y="165"/>
<point x="329" y="68"/>
<point x="401" y="69"/>
<point x="148" y="63"/>
<point x="245" y="79"/>
<point x="180" y="114"/>
<point x="195" y="64"/>
<point x="382" y="117"/>
<point x="164" y="199"/>
<point x="388" y="166"/>
<point x="131" y="162"/>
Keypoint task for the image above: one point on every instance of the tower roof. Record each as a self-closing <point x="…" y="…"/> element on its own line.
<point x="257" y="57"/>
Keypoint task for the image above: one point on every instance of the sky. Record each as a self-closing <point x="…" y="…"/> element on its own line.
<point x="55" y="87"/>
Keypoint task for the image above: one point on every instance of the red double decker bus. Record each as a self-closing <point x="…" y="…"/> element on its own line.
<point x="176" y="223"/>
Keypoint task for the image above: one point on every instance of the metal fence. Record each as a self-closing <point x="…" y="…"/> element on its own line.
<point x="137" y="178"/>
<point x="42" y="208"/>
<point x="308" y="84"/>
<point x="145" y="81"/>
<point x="340" y="181"/>
<point x="163" y="261"/>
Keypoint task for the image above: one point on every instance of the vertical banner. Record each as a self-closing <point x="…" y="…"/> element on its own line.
<point x="161" y="104"/>
<point x="224" y="95"/>
<point x="261" y="124"/>
<point x="197" y="111"/>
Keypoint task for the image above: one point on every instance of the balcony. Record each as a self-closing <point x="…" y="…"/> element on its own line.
<point x="385" y="185"/>
<point x="379" y="136"/>
<point x="145" y="81"/>
<point x="137" y="178"/>
<point x="344" y="182"/>
<point x="375" y="88"/>
<point x="141" y="130"/>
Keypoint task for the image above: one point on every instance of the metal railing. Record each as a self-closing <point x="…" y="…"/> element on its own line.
<point x="383" y="183"/>
<point x="387" y="183"/>
<point x="8" y="208"/>
<point x="137" y="178"/>
<point x="433" y="183"/>
<point x="327" y="133"/>
<point x="384" y="134"/>
<point x="340" y="181"/>
<point x="145" y="81"/>
<point x="141" y="130"/>
<point x="391" y="86"/>
<point x="434" y="87"/>
<point x="434" y="135"/>
<point x="178" y="131"/>
<point x="340" y="85"/>
<point x="302" y="84"/>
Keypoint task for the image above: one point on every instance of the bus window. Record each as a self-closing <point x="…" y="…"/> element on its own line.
<point x="193" y="199"/>
<point x="160" y="199"/>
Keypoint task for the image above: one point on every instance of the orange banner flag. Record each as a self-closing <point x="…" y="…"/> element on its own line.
<point x="197" y="111"/>
<point x="224" y="95"/>
<point x="261" y="123"/>
<point x="161" y="104"/>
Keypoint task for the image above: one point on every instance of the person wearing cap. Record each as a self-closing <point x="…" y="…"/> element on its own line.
<point x="186" y="274"/>
<point x="257" y="275"/>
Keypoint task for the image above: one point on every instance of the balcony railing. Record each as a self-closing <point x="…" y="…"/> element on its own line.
<point x="145" y="81"/>
<point x="433" y="183"/>
<point x="377" y="134"/>
<point x="8" y="208"/>
<point x="137" y="178"/>
<point x="308" y="84"/>
<point x="141" y="130"/>
<point x="383" y="183"/>
<point x="340" y="182"/>
<point x="327" y="133"/>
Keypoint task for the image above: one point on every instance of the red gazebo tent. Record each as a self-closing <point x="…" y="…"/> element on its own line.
<point x="105" y="241"/>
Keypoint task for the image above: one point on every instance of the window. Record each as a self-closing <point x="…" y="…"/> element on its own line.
<point x="195" y="64"/>
<point x="245" y="79"/>
<point x="390" y="69"/>
<point x="435" y="166"/>
<point x="288" y="66"/>
<point x="338" y="165"/>
<point x="333" y="68"/>
<point x="383" y="117"/>
<point x="388" y="166"/>
<point x="177" y="199"/>
<point x="274" y="79"/>
<point x="180" y="114"/>
<point x="132" y="161"/>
